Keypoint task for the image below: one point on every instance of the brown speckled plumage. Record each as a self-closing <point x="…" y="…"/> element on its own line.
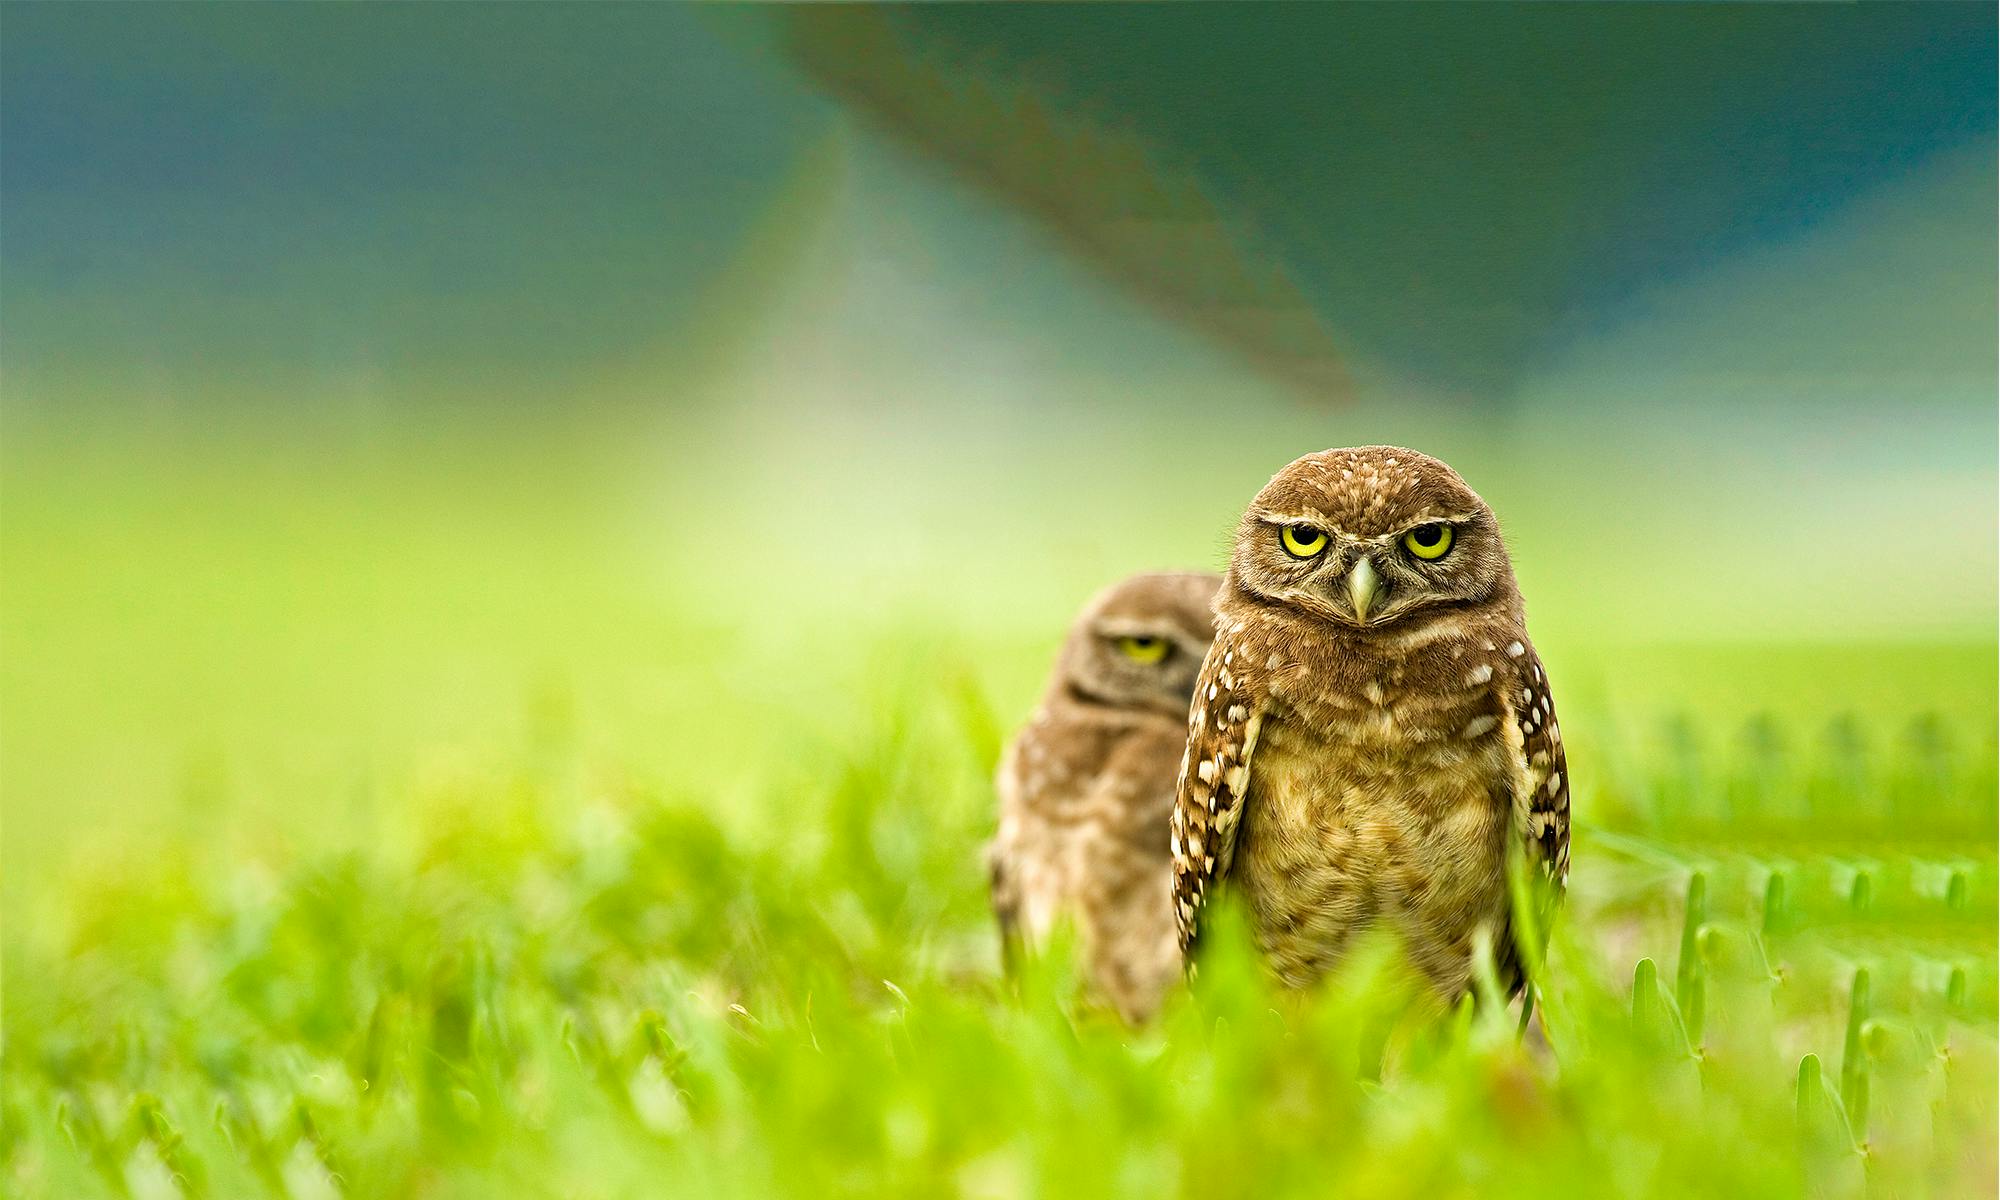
<point x="1086" y="789"/>
<point x="1369" y="754"/>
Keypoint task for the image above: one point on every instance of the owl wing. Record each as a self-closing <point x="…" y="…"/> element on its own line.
<point x="1542" y="813"/>
<point x="1003" y="872"/>
<point x="1223" y="721"/>
<point x="1006" y="895"/>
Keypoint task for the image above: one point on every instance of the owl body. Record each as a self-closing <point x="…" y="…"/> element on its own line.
<point x="1368" y="755"/>
<point x="1087" y="789"/>
<point x="1368" y="804"/>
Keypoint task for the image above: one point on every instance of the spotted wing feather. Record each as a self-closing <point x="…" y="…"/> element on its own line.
<point x="1215" y="775"/>
<point x="1546" y="778"/>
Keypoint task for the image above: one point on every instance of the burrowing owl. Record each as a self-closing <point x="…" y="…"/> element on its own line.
<point x="1372" y="733"/>
<point x="1087" y="787"/>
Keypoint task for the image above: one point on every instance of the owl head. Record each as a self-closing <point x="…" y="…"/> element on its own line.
<point x="1139" y="643"/>
<point x="1371" y="537"/>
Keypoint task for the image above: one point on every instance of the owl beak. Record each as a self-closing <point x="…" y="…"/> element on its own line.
<point x="1362" y="585"/>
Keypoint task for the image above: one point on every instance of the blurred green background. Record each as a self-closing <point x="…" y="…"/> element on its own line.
<point x="392" y="395"/>
<point x="358" y="392"/>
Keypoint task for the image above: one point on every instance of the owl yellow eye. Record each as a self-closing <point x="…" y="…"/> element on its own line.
<point x="1143" y="649"/>
<point x="1301" y="541"/>
<point x="1428" y="541"/>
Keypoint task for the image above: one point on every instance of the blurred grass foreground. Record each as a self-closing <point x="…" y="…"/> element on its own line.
<point x="517" y="563"/>
<point x="630" y="999"/>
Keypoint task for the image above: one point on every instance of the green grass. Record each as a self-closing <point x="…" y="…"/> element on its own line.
<point x="428" y="818"/>
<point x="1776" y="976"/>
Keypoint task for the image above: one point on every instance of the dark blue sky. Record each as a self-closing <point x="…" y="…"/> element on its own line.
<point x="1465" y="186"/>
<point x="517" y="185"/>
<point x="1456" y="189"/>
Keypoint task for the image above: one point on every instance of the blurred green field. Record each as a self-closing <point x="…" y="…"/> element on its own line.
<point x="448" y="836"/>
<point x="551" y="981"/>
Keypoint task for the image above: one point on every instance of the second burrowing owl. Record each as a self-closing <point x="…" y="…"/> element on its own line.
<point x="1372" y="736"/>
<point x="1086" y="788"/>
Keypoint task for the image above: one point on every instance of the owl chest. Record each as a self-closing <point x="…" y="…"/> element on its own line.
<point x="1084" y="818"/>
<point x="1373" y="813"/>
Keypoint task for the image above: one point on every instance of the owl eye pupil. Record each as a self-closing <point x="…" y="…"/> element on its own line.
<point x="1429" y="541"/>
<point x="1301" y="541"/>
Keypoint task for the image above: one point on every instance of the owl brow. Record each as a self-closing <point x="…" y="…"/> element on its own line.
<point x="1140" y="627"/>
<point x="1312" y="517"/>
<point x="1437" y="518"/>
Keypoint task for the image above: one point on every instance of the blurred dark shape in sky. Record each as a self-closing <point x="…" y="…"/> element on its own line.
<point x="1093" y="184"/>
<point x="1459" y="189"/>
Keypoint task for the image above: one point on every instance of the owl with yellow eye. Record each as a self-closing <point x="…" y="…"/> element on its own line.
<point x="1086" y="789"/>
<point x="1372" y="738"/>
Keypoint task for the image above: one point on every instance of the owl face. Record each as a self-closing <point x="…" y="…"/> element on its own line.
<point x="1139" y="644"/>
<point x="1370" y="536"/>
